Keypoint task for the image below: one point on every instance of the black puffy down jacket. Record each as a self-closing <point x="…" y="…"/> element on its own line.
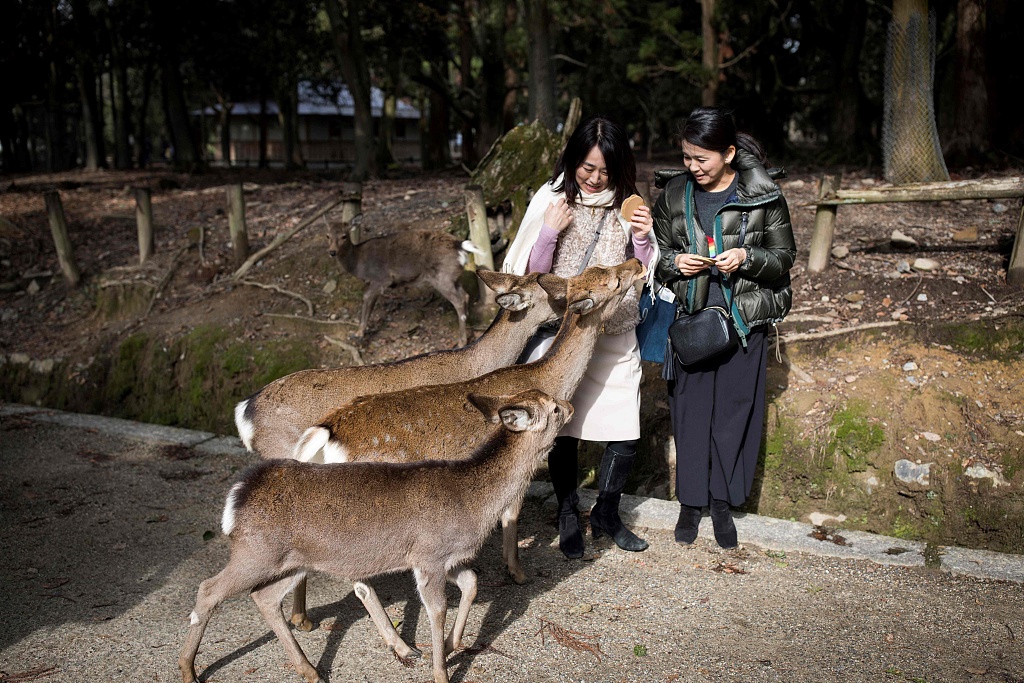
<point x="760" y="290"/>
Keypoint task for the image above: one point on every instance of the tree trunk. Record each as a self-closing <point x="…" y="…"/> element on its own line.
<point x="970" y="135"/>
<point x="225" y="131"/>
<point x="119" y="90"/>
<point x="85" y="75"/>
<point x="263" y="126"/>
<point x="845" y="128"/>
<point x="143" y="149"/>
<point x="91" y="130"/>
<point x="470" y="157"/>
<point x="346" y="17"/>
<point x="186" y="155"/>
<point x="541" y="66"/>
<point x="436" y="131"/>
<point x="492" y="83"/>
<point x="709" y="53"/>
<point x="288" y="118"/>
<point x="910" y="141"/>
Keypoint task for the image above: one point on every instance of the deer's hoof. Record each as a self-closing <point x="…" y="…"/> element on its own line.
<point x="519" y="576"/>
<point x="302" y="624"/>
<point x="408" y="655"/>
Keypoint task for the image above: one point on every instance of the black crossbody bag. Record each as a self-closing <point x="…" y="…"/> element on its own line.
<point x="705" y="334"/>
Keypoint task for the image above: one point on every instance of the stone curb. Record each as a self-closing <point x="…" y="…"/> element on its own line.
<point x="653" y="513"/>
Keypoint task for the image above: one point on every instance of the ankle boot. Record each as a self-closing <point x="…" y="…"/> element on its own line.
<point x="725" y="528"/>
<point x="604" y="517"/>
<point x="562" y="467"/>
<point x="570" y="534"/>
<point x="687" y="524"/>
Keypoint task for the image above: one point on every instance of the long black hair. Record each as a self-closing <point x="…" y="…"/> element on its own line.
<point x="713" y="128"/>
<point x="610" y="138"/>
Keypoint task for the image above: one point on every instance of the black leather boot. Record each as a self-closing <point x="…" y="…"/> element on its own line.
<point x="687" y="524"/>
<point x="725" y="528"/>
<point x="604" y="517"/>
<point x="562" y="466"/>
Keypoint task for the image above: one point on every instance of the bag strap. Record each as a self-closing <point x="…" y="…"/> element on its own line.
<point x="593" y="244"/>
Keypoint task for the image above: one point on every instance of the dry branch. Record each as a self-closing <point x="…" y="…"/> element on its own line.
<point x="801" y="336"/>
<point x="165" y="279"/>
<point x="282" y="238"/>
<point x="311" y="320"/>
<point x="281" y="290"/>
<point x="348" y="347"/>
<point x="569" y="639"/>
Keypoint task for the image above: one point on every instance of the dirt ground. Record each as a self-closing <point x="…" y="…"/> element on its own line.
<point x="106" y="538"/>
<point x="935" y="378"/>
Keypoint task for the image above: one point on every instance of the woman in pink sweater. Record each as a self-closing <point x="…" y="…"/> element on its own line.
<point x="574" y="221"/>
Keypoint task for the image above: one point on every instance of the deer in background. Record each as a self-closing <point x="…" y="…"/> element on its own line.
<point x="272" y="420"/>
<point x="417" y="257"/>
<point x="436" y="420"/>
<point x="285" y="518"/>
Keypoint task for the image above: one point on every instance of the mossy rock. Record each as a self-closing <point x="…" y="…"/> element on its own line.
<point x="517" y="164"/>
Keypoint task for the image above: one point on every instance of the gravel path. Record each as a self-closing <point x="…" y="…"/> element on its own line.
<point x="103" y="529"/>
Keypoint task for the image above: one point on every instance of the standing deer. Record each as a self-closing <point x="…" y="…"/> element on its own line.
<point x="272" y="420"/>
<point x="436" y="419"/>
<point x="286" y="518"/>
<point x="417" y="257"/>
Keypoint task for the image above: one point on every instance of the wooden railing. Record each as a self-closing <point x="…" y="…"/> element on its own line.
<point x="830" y="197"/>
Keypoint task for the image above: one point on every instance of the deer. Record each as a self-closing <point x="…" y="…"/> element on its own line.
<point x="285" y="518"/>
<point x="437" y="420"/>
<point x="417" y="257"/>
<point x="271" y="421"/>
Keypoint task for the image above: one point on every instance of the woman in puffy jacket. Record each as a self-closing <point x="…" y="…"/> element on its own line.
<point x="725" y="207"/>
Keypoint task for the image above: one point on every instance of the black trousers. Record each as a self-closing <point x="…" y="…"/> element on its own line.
<point x="717" y="412"/>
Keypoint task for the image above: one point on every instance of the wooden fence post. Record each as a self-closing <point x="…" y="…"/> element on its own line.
<point x="476" y="212"/>
<point x="144" y="222"/>
<point x="1015" y="271"/>
<point x="352" y="206"/>
<point x="59" y="229"/>
<point x="236" y="223"/>
<point x="824" y="226"/>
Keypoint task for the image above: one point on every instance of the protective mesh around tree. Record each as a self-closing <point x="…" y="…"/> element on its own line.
<point x="911" y="152"/>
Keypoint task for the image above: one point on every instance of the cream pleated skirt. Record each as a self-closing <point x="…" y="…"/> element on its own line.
<point x="607" y="401"/>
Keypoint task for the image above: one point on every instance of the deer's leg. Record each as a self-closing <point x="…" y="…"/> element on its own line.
<point x="299" y="618"/>
<point x="430" y="585"/>
<point x="465" y="579"/>
<point x="373" y="291"/>
<point x="458" y="298"/>
<point x="268" y="599"/>
<point x="211" y="593"/>
<point x="371" y="602"/>
<point x="510" y="544"/>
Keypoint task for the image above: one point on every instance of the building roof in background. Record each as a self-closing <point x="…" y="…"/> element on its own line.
<point x="322" y="100"/>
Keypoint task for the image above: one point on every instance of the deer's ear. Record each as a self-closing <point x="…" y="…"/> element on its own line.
<point x="487" y="405"/>
<point x="499" y="282"/>
<point x="554" y="285"/>
<point x="517" y="418"/>
<point x="512" y="301"/>
<point x="582" y="306"/>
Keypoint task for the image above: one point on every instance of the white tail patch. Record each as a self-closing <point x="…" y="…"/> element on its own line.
<point x="227" y="522"/>
<point x="467" y="245"/>
<point x="312" y="442"/>
<point x="193" y="619"/>
<point x="245" y="427"/>
<point x="335" y="452"/>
